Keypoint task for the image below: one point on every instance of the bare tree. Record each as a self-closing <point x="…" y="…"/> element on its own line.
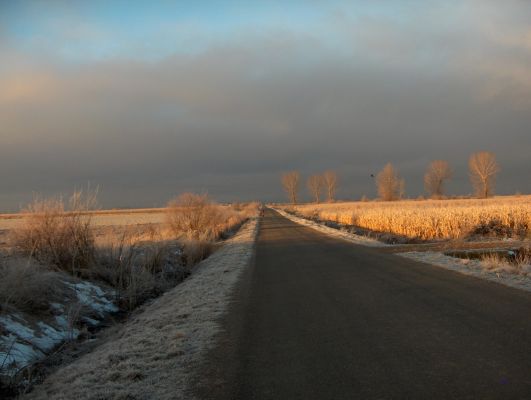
<point x="290" y="181"/>
<point x="315" y="186"/>
<point x="437" y="172"/>
<point x="390" y="185"/>
<point x="483" y="169"/>
<point x="330" y="182"/>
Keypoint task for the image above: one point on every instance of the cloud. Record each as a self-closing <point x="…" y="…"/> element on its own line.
<point x="232" y="117"/>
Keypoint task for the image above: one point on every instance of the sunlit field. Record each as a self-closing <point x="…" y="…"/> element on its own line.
<point x="504" y="216"/>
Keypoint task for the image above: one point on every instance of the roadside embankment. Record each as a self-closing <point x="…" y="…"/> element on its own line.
<point x="154" y="353"/>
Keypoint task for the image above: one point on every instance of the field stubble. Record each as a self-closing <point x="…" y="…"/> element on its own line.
<point x="500" y="217"/>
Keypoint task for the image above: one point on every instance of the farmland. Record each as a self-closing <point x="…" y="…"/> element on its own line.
<point x="502" y="217"/>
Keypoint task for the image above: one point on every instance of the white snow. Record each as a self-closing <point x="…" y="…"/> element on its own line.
<point x="25" y="342"/>
<point x="16" y="327"/>
<point x="351" y="237"/>
<point x="16" y="354"/>
<point x="93" y="296"/>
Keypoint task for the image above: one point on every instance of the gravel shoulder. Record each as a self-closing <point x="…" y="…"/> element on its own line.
<point x="153" y="355"/>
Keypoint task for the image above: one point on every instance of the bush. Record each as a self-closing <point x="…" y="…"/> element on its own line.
<point x="193" y="216"/>
<point x="57" y="235"/>
<point x="25" y="286"/>
<point x="138" y="267"/>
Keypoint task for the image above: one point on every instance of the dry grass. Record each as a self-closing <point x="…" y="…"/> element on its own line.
<point x="28" y="287"/>
<point x="199" y="223"/>
<point x="154" y="354"/>
<point x="58" y="234"/>
<point x="521" y="264"/>
<point x="141" y="263"/>
<point x="508" y="216"/>
<point x="195" y="217"/>
<point x="139" y="259"/>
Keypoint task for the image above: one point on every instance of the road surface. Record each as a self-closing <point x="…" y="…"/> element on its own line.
<point x="319" y="318"/>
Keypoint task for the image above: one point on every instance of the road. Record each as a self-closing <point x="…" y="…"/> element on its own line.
<point x="319" y="318"/>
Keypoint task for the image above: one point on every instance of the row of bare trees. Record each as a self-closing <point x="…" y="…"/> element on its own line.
<point x="316" y="184"/>
<point x="483" y="169"/>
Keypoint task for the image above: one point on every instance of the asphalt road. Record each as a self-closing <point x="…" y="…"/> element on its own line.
<point x="320" y="318"/>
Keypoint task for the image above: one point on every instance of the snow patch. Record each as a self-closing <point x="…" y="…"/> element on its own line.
<point x="24" y="342"/>
<point x="93" y="296"/>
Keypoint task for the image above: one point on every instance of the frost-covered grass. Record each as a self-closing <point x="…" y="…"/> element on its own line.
<point x="504" y="216"/>
<point x="70" y="270"/>
<point x="153" y="355"/>
<point x="517" y="276"/>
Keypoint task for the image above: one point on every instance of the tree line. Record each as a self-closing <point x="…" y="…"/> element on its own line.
<point x="482" y="167"/>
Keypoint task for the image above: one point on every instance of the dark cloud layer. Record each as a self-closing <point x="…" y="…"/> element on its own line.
<point x="230" y="119"/>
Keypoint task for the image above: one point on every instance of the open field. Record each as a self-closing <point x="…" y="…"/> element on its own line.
<point x="501" y="217"/>
<point x="101" y="217"/>
<point x="65" y="273"/>
<point x="104" y="222"/>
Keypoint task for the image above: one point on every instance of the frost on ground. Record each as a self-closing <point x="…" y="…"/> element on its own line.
<point x="351" y="237"/>
<point x="25" y="340"/>
<point x="154" y="353"/>
<point x="471" y="267"/>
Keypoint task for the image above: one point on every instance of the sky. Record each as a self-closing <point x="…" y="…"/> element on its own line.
<point x="148" y="99"/>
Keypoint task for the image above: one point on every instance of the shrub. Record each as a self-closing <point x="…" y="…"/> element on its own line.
<point x="57" y="235"/>
<point x="137" y="265"/>
<point x="193" y="216"/>
<point x="26" y="286"/>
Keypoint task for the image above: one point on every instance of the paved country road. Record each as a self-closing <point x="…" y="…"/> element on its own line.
<point x="319" y="318"/>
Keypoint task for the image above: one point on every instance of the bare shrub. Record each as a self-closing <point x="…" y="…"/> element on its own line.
<point x="437" y="173"/>
<point x="483" y="169"/>
<point x="315" y="186"/>
<point x="26" y="286"/>
<point x="57" y="234"/>
<point x="194" y="217"/>
<point x="290" y="182"/>
<point x="195" y="251"/>
<point x="330" y="182"/>
<point x="135" y="263"/>
<point x="389" y="184"/>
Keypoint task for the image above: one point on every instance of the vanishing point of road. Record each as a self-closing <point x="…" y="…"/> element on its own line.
<point x="316" y="317"/>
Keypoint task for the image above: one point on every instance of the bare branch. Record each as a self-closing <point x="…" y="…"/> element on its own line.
<point x="390" y="185"/>
<point x="483" y="169"/>
<point x="436" y="174"/>
<point x="315" y="186"/>
<point x="290" y="181"/>
<point x="330" y="182"/>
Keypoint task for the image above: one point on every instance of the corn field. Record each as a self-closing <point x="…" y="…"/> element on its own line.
<point x="504" y="216"/>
